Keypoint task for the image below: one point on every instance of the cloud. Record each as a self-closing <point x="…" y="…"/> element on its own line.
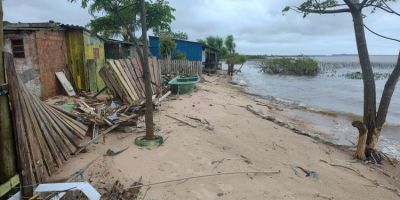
<point x="257" y="25"/>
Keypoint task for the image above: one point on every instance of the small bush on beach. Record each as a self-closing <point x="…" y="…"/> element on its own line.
<point x="301" y="66"/>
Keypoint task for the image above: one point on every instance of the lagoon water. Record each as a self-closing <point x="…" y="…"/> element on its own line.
<point x="332" y="91"/>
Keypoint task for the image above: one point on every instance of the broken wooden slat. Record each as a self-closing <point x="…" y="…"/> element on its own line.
<point x="35" y="154"/>
<point x="132" y="74"/>
<point x="65" y="83"/>
<point x="130" y="78"/>
<point x="121" y="80"/>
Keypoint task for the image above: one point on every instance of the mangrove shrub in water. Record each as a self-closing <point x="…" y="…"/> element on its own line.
<point x="302" y="66"/>
<point x="358" y="75"/>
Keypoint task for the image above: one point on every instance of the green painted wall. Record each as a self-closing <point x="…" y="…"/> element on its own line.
<point x="94" y="50"/>
<point x="86" y="58"/>
<point x="76" y="54"/>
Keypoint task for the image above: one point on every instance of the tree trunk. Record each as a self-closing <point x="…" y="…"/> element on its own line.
<point x="362" y="139"/>
<point x="8" y="162"/>
<point x="149" y="93"/>
<point x="368" y="77"/>
<point x="387" y="94"/>
<point x="230" y="69"/>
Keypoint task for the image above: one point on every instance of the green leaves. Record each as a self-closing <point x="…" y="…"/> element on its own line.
<point x="167" y="45"/>
<point x="287" y="8"/>
<point x="175" y="35"/>
<point x="120" y="18"/>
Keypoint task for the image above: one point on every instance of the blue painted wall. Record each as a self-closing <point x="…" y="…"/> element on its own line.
<point x="193" y="50"/>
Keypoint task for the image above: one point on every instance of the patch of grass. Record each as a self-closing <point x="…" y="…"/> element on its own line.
<point x="301" y="66"/>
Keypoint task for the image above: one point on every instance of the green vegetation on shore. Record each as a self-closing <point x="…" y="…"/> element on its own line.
<point x="302" y="66"/>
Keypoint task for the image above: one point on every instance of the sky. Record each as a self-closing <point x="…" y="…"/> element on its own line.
<point x="258" y="26"/>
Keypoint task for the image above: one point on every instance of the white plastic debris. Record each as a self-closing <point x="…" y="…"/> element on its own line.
<point x="242" y="83"/>
<point x="84" y="187"/>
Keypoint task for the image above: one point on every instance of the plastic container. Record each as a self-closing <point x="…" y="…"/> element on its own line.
<point x="182" y="84"/>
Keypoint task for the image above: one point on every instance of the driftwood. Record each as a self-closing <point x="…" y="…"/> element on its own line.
<point x="292" y="128"/>
<point x="374" y="182"/>
<point x="205" y="176"/>
<point x="182" y="121"/>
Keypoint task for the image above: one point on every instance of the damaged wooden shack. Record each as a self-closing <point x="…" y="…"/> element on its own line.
<point x="48" y="133"/>
<point x="41" y="49"/>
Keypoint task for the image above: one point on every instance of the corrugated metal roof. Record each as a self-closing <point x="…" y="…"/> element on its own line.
<point x="32" y="26"/>
<point x="74" y="27"/>
<point x="51" y="25"/>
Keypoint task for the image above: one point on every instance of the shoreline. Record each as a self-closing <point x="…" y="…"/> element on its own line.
<point x="334" y="126"/>
<point x="234" y="140"/>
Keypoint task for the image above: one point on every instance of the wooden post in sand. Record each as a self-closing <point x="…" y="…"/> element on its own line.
<point x="8" y="162"/>
<point x="362" y="139"/>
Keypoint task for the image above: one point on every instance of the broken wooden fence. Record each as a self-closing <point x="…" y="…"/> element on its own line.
<point x="124" y="78"/>
<point x="45" y="138"/>
<point x="181" y="67"/>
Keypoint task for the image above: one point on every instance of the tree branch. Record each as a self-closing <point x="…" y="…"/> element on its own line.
<point x="385" y="7"/>
<point x="363" y="3"/>
<point x="351" y="5"/>
<point x="382" y="36"/>
<point x="343" y="10"/>
<point x="387" y="95"/>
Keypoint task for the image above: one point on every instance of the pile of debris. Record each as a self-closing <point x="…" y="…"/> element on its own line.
<point x="49" y="133"/>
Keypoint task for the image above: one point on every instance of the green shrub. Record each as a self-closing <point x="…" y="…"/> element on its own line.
<point x="301" y="66"/>
<point x="179" y="56"/>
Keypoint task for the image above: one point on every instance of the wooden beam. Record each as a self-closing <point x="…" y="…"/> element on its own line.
<point x="9" y="185"/>
<point x="8" y="160"/>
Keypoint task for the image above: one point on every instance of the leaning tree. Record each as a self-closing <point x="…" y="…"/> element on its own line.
<point x="374" y="117"/>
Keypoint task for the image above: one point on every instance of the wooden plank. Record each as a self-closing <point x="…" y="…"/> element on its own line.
<point x="113" y="84"/>
<point x="122" y="80"/>
<point x="130" y="77"/>
<point x="65" y="83"/>
<point x="24" y="161"/>
<point x="76" y="127"/>
<point x="21" y="146"/>
<point x="48" y="159"/>
<point x="52" y="142"/>
<point x="136" y="81"/>
<point x="9" y="185"/>
<point x="70" y="139"/>
<point x="157" y="74"/>
<point x="114" y="76"/>
<point x="34" y="151"/>
<point x="107" y="82"/>
<point x="139" y="74"/>
<point x="127" y="76"/>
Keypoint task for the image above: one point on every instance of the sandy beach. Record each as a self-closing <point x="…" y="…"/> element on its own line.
<point x="229" y="138"/>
